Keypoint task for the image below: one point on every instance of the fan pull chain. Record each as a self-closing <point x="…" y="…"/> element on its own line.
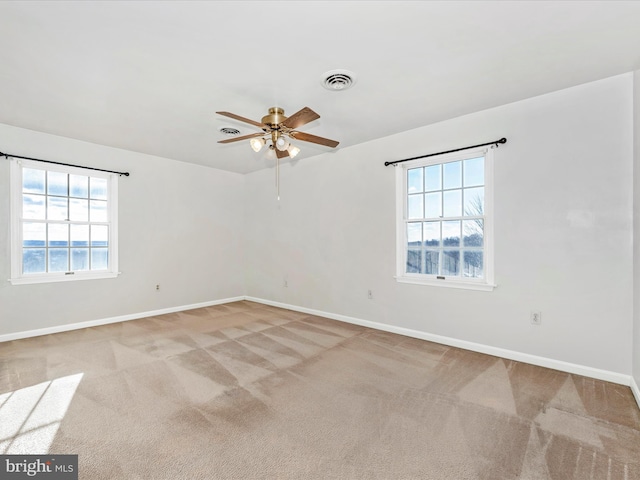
<point x="278" y="177"/>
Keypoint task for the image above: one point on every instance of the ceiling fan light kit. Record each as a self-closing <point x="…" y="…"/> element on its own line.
<point x="282" y="144"/>
<point x="257" y="144"/>
<point x="277" y="132"/>
<point x="293" y="151"/>
<point x="271" y="153"/>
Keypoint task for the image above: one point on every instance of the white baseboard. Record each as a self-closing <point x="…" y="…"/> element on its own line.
<point x="104" y="321"/>
<point x="635" y="390"/>
<point x="605" y="375"/>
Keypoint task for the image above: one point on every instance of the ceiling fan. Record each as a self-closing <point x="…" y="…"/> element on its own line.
<point x="279" y="130"/>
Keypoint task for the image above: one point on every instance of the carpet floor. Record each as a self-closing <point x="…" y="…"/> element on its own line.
<point x="248" y="391"/>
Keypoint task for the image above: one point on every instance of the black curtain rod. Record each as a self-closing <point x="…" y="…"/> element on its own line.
<point x="495" y="142"/>
<point x="126" y="174"/>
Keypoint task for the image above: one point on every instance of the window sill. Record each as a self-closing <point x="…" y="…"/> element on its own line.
<point x="448" y="283"/>
<point x="29" y="280"/>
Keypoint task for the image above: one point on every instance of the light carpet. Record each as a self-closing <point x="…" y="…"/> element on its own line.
<point x="248" y="391"/>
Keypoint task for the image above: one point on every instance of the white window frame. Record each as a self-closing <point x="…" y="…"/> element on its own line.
<point x="484" y="284"/>
<point x="17" y="275"/>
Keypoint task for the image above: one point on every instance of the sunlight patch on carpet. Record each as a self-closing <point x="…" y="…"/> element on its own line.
<point x="32" y="415"/>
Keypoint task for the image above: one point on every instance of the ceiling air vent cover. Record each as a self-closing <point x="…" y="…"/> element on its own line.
<point x="230" y="131"/>
<point x="338" y="80"/>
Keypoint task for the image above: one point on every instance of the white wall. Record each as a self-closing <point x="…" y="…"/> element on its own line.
<point x="636" y="234"/>
<point x="180" y="226"/>
<point x="564" y="199"/>
<point x="563" y="229"/>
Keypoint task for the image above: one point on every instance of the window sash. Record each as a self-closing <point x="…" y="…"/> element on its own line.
<point x="94" y="252"/>
<point x="419" y="250"/>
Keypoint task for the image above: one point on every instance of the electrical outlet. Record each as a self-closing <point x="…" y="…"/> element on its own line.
<point x="157" y="286"/>
<point x="369" y="294"/>
<point x="536" y="318"/>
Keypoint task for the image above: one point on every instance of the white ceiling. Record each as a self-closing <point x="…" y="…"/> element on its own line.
<point x="149" y="76"/>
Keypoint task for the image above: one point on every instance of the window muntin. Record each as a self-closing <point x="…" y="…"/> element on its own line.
<point x="63" y="223"/>
<point x="444" y="225"/>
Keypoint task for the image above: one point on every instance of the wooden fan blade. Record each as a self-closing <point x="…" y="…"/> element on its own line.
<point x="281" y="154"/>
<point x="242" y="119"/>
<point x="307" y="137"/>
<point x="244" y="137"/>
<point x="300" y="118"/>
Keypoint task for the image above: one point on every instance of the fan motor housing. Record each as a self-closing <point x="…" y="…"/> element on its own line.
<point x="276" y="116"/>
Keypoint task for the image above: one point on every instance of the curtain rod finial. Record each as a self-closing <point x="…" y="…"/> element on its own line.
<point x="498" y="142"/>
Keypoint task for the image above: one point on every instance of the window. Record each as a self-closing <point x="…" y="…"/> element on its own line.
<point x="63" y="223"/>
<point x="444" y="220"/>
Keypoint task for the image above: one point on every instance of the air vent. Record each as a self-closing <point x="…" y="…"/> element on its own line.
<point x="230" y="131"/>
<point x="338" y="80"/>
